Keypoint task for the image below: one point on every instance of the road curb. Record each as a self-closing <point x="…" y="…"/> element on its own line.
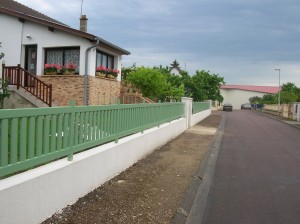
<point x="193" y="205"/>
<point x="274" y="117"/>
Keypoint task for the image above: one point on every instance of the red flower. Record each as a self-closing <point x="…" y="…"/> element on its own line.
<point x="101" y="68"/>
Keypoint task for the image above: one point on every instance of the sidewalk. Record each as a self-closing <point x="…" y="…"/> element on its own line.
<point x="195" y="200"/>
<point x="151" y="191"/>
<point x="276" y="117"/>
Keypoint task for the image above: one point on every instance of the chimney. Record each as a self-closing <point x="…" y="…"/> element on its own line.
<point x="83" y="23"/>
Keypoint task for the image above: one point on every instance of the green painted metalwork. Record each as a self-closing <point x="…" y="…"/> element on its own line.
<point x="31" y="137"/>
<point x="200" y="106"/>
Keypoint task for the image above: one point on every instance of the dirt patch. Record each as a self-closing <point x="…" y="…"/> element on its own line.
<point x="152" y="189"/>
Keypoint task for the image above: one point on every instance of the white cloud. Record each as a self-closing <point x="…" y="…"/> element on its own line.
<point x="241" y="40"/>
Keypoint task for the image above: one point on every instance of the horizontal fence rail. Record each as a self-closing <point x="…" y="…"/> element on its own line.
<point x="31" y="137"/>
<point x="200" y="106"/>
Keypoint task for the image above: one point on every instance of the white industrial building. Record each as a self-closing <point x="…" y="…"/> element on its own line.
<point x="240" y="94"/>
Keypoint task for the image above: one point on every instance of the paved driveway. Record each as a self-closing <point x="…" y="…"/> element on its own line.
<point x="257" y="173"/>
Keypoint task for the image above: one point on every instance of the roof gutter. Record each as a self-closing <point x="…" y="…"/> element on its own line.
<point x="85" y="101"/>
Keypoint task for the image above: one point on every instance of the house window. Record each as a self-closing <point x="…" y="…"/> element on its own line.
<point x="63" y="56"/>
<point x="105" y="59"/>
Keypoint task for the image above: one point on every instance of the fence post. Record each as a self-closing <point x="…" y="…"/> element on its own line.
<point x="18" y="76"/>
<point x="71" y="126"/>
<point x="298" y="112"/>
<point x="159" y="113"/>
<point x="2" y="69"/>
<point x="118" y="122"/>
<point x="50" y="95"/>
<point x="187" y="110"/>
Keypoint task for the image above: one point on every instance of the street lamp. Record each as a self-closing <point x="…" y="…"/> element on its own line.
<point x="278" y="69"/>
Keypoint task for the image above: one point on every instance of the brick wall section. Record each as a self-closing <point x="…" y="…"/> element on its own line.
<point x="103" y="91"/>
<point x="65" y="88"/>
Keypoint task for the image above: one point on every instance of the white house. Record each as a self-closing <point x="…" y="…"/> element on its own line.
<point x="32" y="39"/>
<point x="240" y="94"/>
<point x="175" y="69"/>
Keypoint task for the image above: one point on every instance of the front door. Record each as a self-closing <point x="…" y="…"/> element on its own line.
<point x="30" y="59"/>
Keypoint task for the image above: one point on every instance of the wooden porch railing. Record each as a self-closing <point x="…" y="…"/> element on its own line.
<point x="16" y="75"/>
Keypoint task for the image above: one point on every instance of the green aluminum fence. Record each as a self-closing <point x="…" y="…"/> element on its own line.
<point x="31" y="137"/>
<point x="200" y="106"/>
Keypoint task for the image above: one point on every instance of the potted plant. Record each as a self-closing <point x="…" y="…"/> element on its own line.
<point x="69" y="69"/>
<point x="52" y="69"/>
<point x="101" y="71"/>
<point x="112" y="73"/>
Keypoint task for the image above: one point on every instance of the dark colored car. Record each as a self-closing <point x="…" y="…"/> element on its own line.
<point x="227" y="107"/>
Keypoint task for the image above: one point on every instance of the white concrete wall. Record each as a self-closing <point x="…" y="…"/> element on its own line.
<point x="1" y="67"/>
<point x="238" y="97"/>
<point x="196" y="118"/>
<point x="32" y="196"/>
<point x="10" y="36"/>
<point x="298" y="112"/>
<point x="14" y="45"/>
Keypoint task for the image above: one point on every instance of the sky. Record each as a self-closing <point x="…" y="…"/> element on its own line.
<point x="240" y="40"/>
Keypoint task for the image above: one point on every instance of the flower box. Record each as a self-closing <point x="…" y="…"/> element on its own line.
<point x="50" y="73"/>
<point x="100" y="75"/>
<point x="52" y="69"/>
<point x="69" y="69"/>
<point x="111" y="76"/>
<point x="103" y="72"/>
<point x="69" y="72"/>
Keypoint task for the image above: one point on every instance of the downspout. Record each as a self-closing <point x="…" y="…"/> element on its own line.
<point x="21" y="52"/>
<point x="86" y="71"/>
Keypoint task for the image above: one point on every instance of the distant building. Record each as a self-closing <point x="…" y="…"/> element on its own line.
<point x="175" y="69"/>
<point x="240" y="94"/>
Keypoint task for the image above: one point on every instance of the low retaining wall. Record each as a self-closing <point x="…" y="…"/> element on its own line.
<point x="286" y="110"/>
<point x="33" y="196"/>
<point x="196" y="118"/>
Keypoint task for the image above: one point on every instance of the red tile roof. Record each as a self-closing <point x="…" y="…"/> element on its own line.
<point x="262" y="89"/>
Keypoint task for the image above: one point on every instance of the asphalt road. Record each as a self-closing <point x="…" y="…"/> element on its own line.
<point x="257" y="174"/>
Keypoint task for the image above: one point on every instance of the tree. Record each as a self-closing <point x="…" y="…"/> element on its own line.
<point x="205" y="86"/>
<point x="269" y="99"/>
<point x="3" y="91"/>
<point x="255" y="100"/>
<point x="158" y="83"/>
<point x="150" y="82"/>
<point x="126" y="71"/>
<point x="187" y="82"/>
<point x="289" y="93"/>
<point x="174" y="88"/>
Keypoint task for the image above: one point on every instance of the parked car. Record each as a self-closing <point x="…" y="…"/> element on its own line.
<point x="227" y="107"/>
<point x="246" y="106"/>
